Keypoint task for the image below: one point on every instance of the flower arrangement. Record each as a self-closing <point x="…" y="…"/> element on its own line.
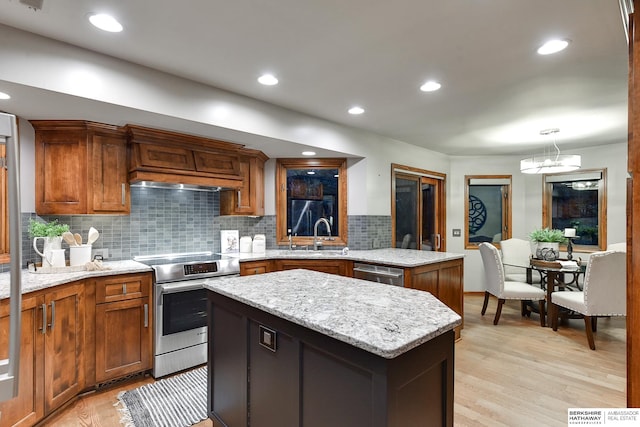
<point x="46" y="229"/>
<point x="547" y="235"/>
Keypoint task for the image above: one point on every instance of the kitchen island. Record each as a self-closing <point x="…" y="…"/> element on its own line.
<point x="439" y="273"/>
<point x="300" y="347"/>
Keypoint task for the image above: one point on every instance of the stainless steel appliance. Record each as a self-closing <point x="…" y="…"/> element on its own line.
<point x="378" y="273"/>
<point x="10" y="368"/>
<point x="180" y="301"/>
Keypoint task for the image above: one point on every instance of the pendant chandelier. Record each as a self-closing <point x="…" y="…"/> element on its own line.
<point x="550" y="162"/>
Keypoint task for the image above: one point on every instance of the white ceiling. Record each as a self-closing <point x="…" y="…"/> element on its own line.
<point x="497" y="93"/>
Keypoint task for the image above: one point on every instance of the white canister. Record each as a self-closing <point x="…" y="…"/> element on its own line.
<point x="79" y="255"/>
<point x="259" y="243"/>
<point x="245" y="244"/>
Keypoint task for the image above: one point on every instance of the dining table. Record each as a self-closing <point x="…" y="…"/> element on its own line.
<point x="558" y="274"/>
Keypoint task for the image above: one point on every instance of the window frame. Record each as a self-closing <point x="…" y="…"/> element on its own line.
<point x="506" y="211"/>
<point x="282" y="165"/>
<point x="4" y="209"/>
<point x="547" y="204"/>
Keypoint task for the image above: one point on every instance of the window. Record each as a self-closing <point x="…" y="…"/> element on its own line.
<point x="308" y="190"/>
<point x="577" y="200"/>
<point x="488" y="209"/>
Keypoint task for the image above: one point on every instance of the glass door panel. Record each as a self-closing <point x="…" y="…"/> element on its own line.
<point x="407" y="204"/>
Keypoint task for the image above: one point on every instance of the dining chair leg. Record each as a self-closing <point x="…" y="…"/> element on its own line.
<point x="523" y="308"/>
<point x="498" y="311"/>
<point x="553" y="316"/>
<point x="485" y="303"/>
<point x="594" y="324"/>
<point x="541" y="308"/>
<point x="589" y="327"/>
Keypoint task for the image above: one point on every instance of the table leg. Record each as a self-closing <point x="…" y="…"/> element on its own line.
<point x="551" y="281"/>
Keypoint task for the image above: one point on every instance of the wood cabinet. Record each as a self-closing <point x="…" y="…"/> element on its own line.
<point x="249" y="198"/>
<point x="51" y="361"/>
<point x="123" y="335"/>
<point x="28" y="407"/>
<point x="249" y="268"/>
<point x="63" y="344"/>
<point x="341" y="267"/>
<point x="82" y="168"/>
<point x="163" y="156"/>
<point x="444" y="280"/>
<point x="272" y="371"/>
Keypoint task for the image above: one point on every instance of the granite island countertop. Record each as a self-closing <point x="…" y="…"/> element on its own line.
<point x="389" y="256"/>
<point x="36" y="281"/>
<point x="382" y="319"/>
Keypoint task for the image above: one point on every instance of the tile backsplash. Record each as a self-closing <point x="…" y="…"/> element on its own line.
<point x="170" y="221"/>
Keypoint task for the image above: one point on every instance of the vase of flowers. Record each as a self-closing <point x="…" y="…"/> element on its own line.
<point x="547" y="243"/>
<point x="51" y="235"/>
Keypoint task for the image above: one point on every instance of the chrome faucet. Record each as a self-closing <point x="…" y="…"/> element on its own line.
<point x="317" y="243"/>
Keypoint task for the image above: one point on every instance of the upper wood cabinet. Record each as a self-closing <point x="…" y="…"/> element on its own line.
<point x="82" y="168"/>
<point x="249" y="198"/>
<point x="162" y="156"/>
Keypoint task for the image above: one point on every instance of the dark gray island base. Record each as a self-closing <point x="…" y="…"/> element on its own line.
<point x="293" y="349"/>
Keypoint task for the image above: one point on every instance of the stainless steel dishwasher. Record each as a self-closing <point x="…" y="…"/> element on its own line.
<point x="379" y="273"/>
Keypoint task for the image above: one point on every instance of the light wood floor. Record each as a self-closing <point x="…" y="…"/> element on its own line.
<point x="513" y="374"/>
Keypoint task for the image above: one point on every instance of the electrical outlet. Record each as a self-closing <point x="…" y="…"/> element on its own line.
<point x="457" y="232"/>
<point x="104" y="252"/>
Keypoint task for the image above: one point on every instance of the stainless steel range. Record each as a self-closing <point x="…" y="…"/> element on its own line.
<point x="180" y="325"/>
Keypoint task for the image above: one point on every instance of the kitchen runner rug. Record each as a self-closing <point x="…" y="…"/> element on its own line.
<point x="178" y="401"/>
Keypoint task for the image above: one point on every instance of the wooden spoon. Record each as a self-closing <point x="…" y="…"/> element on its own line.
<point x="93" y="235"/>
<point x="78" y="238"/>
<point x="68" y="237"/>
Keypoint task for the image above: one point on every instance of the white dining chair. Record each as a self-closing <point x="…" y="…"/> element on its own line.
<point x="516" y="258"/>
<point x="504" y="289"/>
<point x="604" y="292"/>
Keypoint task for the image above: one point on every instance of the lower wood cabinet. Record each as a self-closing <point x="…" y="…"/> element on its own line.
<point x="123" y="335"/>
<point x="51" y="360"/>
<point x="249" y="268"/>
<point x="75" y="336"/>
<point x="333" y="266"/>
<point x="28" y="406"/>
<point x="445" y="281"/>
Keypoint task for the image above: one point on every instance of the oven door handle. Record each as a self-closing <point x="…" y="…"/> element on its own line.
<point x="172" y="288"/>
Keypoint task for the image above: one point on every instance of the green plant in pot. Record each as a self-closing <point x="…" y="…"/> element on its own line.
<point x="547" y="243"/>
<point x="51" y="235"/>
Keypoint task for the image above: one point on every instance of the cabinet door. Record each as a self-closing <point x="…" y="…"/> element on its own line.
<point x="109" y="186"/>
<point x="64" y="342"/>
<point x="26" y="408"/>
<point x="123" y="338"/>
<point x="248" y="199"/>
<point x="61" y="178"/>
<point x="250" y="268"/>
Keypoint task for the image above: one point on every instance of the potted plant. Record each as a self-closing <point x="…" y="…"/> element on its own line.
<point x="51" y="235"/>
<point x="547" y="243"/>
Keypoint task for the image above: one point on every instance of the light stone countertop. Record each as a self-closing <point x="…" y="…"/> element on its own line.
<point x="389" y="256"/>
<point x="36" y="281"/>
<point x="382" y="319"/>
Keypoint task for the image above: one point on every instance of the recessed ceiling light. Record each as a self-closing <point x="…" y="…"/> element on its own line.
<point x="553" y="46"/>
<point x="308" y="153"/>
<point x="268" y="80"/>
<point x="430" y="86"/>
<point x="356" y="110"/>
<point x="105" y="22"/>
<point x="4" y="95"/>
<point x="311" y="172"/>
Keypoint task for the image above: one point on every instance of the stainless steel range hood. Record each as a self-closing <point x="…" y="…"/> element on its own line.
<point x="172" y="186"/>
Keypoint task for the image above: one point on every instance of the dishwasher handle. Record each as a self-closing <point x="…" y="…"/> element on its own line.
<point x="378" y="272"/>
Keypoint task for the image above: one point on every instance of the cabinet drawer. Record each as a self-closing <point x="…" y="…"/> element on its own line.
<point x="121" y="288"/>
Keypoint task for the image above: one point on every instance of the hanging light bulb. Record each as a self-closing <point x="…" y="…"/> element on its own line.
<point x="551" y="162"/>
